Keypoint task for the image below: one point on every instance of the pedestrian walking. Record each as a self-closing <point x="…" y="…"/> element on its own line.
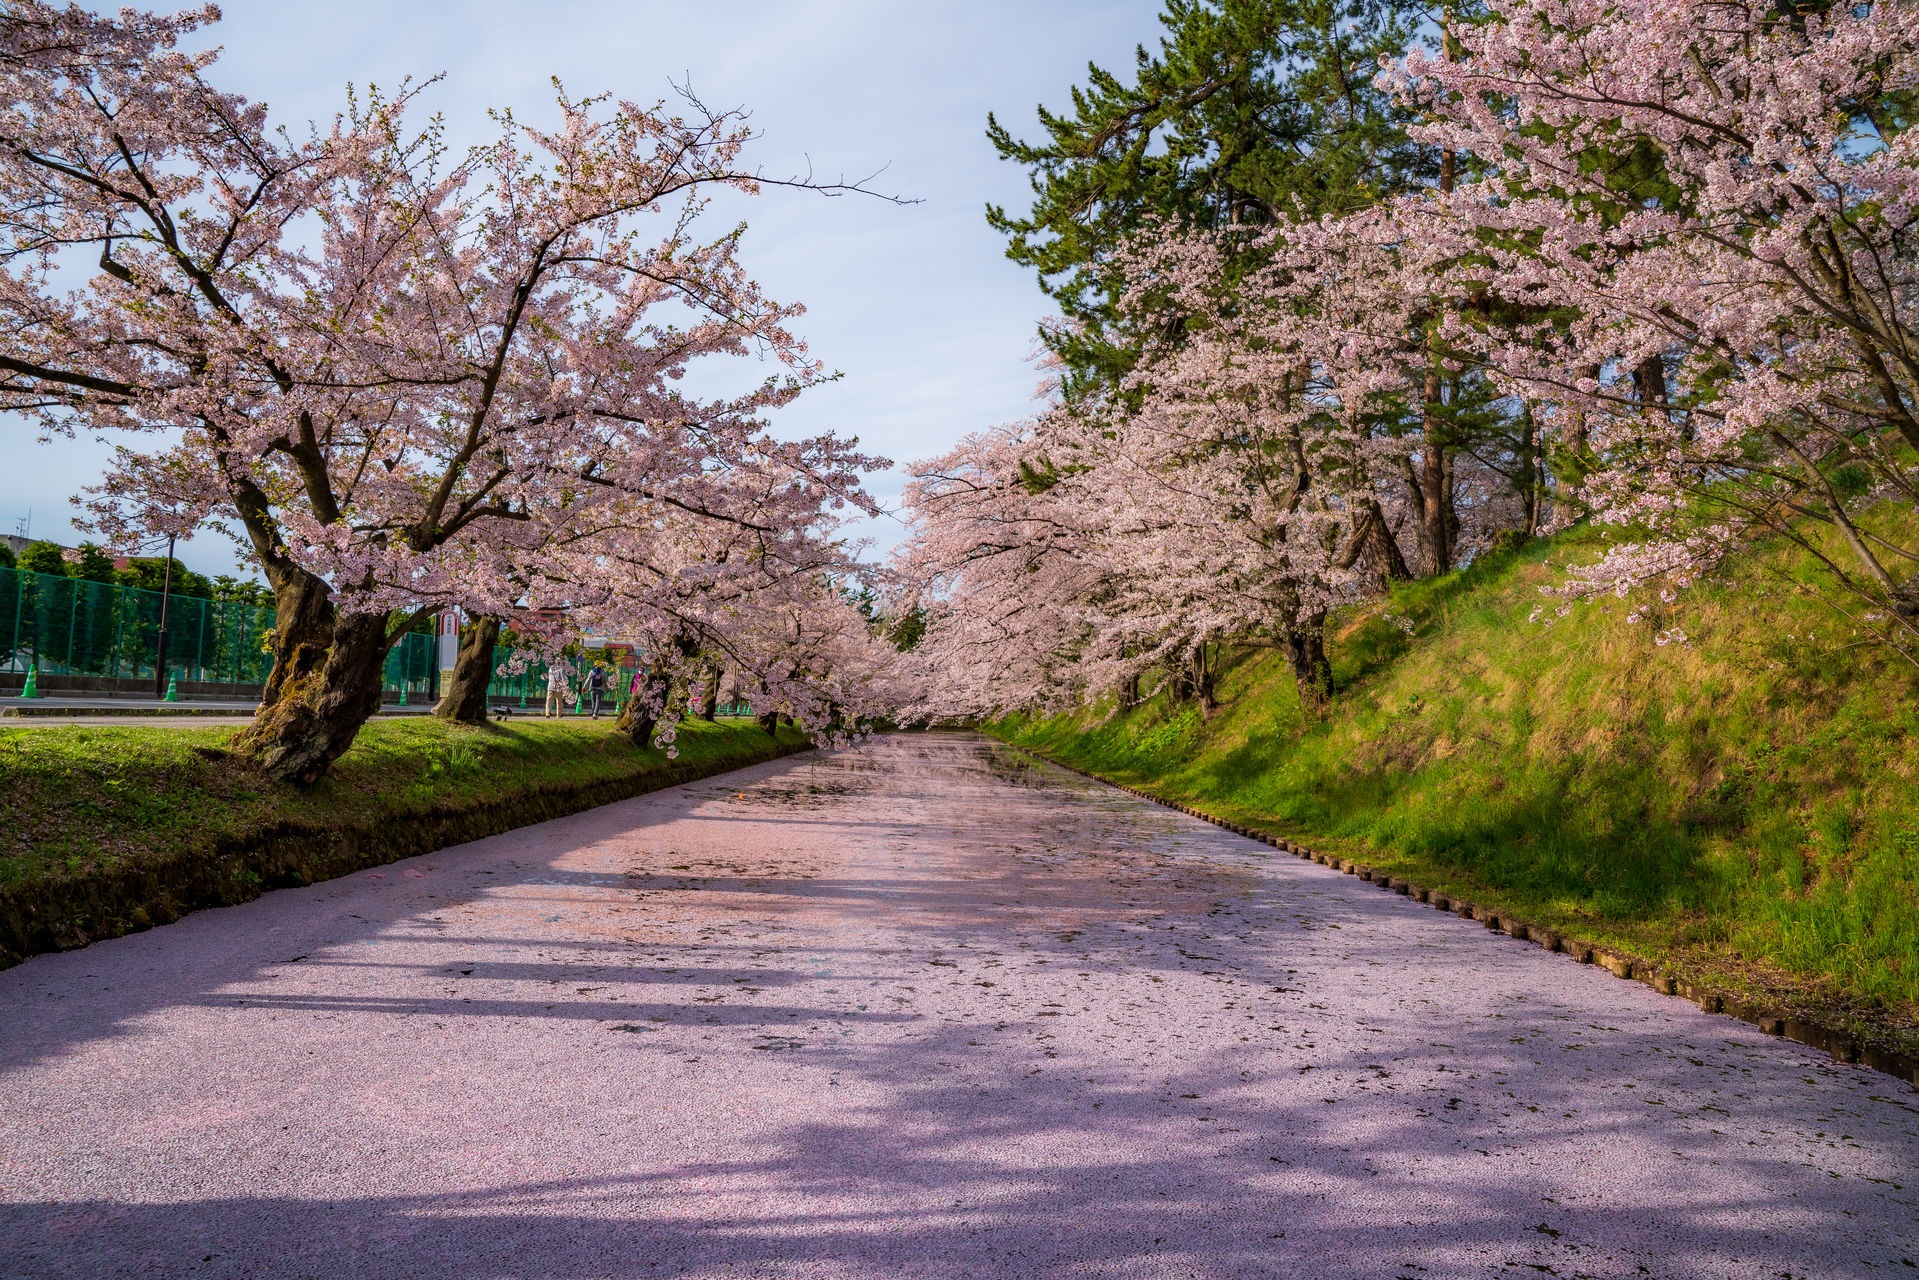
<point x="556" y="690"/>
<point x="596" y="687"/>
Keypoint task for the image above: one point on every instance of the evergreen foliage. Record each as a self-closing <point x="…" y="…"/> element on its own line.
<point x="94" y="565"/>
<point x="227" y="587"/>
<point x="149" y="574"/>
<point x="44" y="557"/>
<point x="1248" y="111"/>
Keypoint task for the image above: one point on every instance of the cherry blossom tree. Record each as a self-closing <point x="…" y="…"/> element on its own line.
<point x="1006" y="565"/>
<point x="609" y="561"/>
<point x="1709" y="210"/>
<point x="761" y="568"/>
<point x="398" y="376"/>
<point x="1672" y="244"/>
<point x="1237" y="488"/>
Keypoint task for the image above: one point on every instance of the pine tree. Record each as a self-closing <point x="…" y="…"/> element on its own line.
<point x="1249" y="111"/>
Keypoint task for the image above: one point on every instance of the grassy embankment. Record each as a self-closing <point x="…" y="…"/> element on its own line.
<point x="114" y="829"/>
<point x="1741" y="809"/>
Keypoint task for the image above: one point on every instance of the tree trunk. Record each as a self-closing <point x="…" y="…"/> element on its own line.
<point x="1203" y="682"/>
<point x="1532" y="482"/>
<point x="465" y="697"/>
<point x="1180" y="685"/>
<point x="642" y="713"/>
<point x="1569" y="462"/>
<point x="770" y="720"/>
<point x="710" y="694"/>
<point x="1431" y="482"/>
<point x="1372" y="544"/>
<point x="1435" y="516"/>
<point x="302" y="628"/>
<point x="321" y="702"/>
<point x="1306" y="651"/>
<point x="1438" y="525"/>
<point x="1649" y="381"/>
<point x="1575" y="438"/>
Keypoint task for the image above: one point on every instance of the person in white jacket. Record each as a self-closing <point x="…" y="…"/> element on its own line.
<point x="556" y="690"/>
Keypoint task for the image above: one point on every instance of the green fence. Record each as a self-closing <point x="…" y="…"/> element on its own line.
<point x="70" y="626"/>
<point x="528" y="689"/>
<point x="410" y="665"/>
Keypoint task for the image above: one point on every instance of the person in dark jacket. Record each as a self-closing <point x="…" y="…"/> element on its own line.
<point x="596" y="687"/>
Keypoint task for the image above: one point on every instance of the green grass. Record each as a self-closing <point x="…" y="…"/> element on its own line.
<point x="79" y="800"/>
<point x="1741" y="808"/>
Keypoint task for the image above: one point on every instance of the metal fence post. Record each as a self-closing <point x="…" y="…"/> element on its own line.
<point x="119" y="623"/>
<point x="19" y="598"/>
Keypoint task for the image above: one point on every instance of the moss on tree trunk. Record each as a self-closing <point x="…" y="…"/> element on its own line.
<point x="319" y="707"/>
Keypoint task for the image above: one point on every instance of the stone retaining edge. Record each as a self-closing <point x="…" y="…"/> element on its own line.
<point x="1839" y="1043"/>
<point x="62" y="914"/>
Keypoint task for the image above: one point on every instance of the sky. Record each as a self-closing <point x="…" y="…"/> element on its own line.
<point x="915" y="305"/>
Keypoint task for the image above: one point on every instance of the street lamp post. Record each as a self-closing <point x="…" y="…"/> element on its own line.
<point x="160" y="657"/>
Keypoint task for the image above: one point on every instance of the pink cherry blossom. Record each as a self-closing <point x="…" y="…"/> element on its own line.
<point x="409" y="381"/>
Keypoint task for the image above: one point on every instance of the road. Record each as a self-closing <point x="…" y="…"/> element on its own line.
<point x="927" y="1011"/>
